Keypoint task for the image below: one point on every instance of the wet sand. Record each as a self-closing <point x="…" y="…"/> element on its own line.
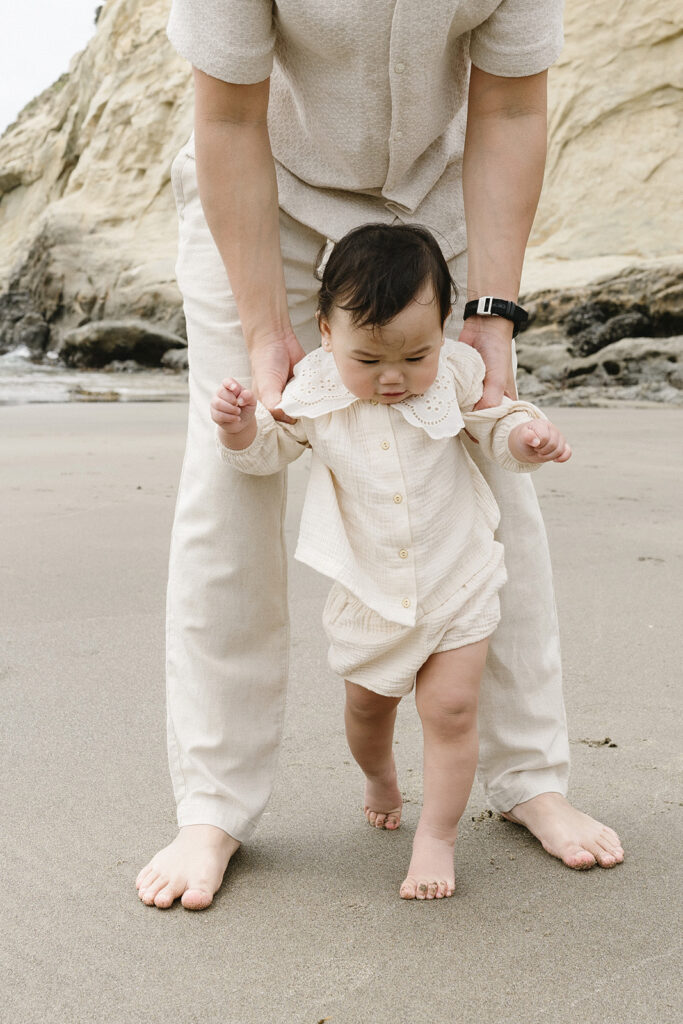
<point x="308" y="925"/>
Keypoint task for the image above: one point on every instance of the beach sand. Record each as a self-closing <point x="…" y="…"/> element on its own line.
<point x="308" y="925"/>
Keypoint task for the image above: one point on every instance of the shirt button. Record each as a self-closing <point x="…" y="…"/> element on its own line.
<point x="385" y="446"/>
<point x="397" y="499"/>
<point x="398" y="134"/>
<point x="403" y="553"/>
<point x="399" y="67"/>
<point x="405" y="602"/>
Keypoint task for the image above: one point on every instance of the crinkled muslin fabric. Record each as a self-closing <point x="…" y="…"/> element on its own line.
<point x="383" y="91"/>
<point x="385" y="656"/>
<point x="395" y="508"/>
<point x="367" y="120"/>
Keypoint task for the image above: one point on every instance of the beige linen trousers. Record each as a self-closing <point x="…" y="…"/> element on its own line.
<point x="227" y="634"/>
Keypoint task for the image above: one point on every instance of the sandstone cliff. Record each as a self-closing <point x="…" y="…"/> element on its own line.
<point x="87" y="225"/>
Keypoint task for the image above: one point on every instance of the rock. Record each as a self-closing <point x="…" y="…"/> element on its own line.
<point x="100" y="342"/>
<point x="629" y="361"/>
<point x="123" y="366"/>
<point x="633" y="324"/>
<point x="88" y="224"/>
<point x="87" y="220"/>
<point x="616" y="84"/>
<point x="31" y="331"/>
<point x="528" y="386"/>
<point x="175" y="359"/>
<point x="653" y="291"/>
<point x="542" y="348"/>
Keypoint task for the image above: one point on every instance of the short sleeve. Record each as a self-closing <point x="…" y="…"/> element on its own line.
<point x="232" y="40"/>
<point x="521" y="37"/>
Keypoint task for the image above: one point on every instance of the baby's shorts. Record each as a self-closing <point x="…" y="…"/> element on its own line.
<point x="385" y="656"/>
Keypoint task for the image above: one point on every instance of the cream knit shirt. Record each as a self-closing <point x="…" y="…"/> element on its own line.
<point x="368" y="101"/>
<point x="395" y="507"/>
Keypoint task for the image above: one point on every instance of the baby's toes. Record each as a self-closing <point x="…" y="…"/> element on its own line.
<point x="408" y="889"/>
<point x="380" y="820"/>
<point x="431" y="890"/>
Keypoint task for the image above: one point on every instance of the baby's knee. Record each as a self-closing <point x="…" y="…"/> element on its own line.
<point x="451" y="713"/>
<point x="366" y="703"/>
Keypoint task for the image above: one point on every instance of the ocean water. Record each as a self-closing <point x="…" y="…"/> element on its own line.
<point x="23" y="382"/>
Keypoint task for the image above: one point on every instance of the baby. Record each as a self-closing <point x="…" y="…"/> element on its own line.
<point x="398" y="515"/>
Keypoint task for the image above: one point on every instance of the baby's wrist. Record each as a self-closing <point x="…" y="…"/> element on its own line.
<point x="237" y="440"/>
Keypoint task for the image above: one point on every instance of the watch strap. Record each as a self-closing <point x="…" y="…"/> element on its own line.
<point x="488" y="305"/>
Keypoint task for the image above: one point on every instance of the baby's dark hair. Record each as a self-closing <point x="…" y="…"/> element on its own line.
<point x="377" y="269"/>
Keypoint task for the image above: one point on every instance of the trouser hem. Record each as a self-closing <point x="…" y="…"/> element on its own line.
<point x="526" y="788"/>
<point x="211" y="813"/>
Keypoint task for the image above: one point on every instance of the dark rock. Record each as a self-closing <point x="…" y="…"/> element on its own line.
<point x="586" y="315"/>
<point x="625" y="325"/>
<point x="656" y="291"/>
<point x="31" y="331"/>
<point x="175" y="359"/>
<point x="102" y="341"/>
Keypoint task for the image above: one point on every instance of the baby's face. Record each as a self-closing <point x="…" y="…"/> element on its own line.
<point x="390" y="363"/>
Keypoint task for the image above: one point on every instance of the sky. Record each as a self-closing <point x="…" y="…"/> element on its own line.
<point x="37" y="42"/>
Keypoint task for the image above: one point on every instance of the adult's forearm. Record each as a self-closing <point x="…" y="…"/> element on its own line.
<point x="238" y="190"/>
<point x="503" y="166"/>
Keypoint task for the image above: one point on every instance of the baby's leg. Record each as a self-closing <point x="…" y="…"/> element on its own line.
<point x="369" y="718"/>
<point x="446" y="695"/>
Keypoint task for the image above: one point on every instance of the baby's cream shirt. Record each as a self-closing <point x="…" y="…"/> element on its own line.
<point x="395" y="507"/>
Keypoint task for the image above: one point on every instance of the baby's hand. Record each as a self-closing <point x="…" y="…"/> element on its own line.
<point x="233" y="407"/>
<point x="538" y="441"/>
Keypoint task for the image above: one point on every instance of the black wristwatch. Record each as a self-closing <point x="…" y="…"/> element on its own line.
<point x="488" y="306"/>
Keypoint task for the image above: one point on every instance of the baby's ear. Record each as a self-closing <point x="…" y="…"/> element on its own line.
<point x="324" y="328"/>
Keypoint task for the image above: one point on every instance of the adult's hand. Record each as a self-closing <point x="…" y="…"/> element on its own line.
<point x="272" y="362"/>
<point x="492" y="338"/>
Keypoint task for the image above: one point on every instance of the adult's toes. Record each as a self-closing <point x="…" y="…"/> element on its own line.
<point x="152" y="890"/>
<point x="146" y="882"/>
<point x="165" y="897"/>
<point x="196" y="899"/>
<point x="145" y="875"/>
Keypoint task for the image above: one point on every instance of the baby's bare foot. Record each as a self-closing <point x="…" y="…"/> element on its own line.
<point x="431" y="874"/>
<point x="382" y="805"/>
<point x="570" y="835"/>
<point x="191" y="867"/>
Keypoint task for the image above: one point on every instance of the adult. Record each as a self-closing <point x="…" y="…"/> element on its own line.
<point x="311" y="117"/>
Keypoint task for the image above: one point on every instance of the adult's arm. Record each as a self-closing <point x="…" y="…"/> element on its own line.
<point x="238" y="191"/>
<point x="503" y="164"/>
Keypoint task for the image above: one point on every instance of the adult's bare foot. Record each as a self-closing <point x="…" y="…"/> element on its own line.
<point x="575" y="838"/>
<point x="191" y="867"/>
